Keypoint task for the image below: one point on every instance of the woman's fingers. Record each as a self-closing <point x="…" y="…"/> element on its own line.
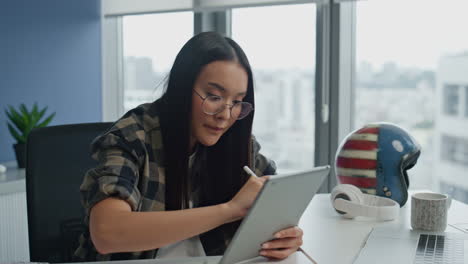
<point x="243" y="200"/>
<point x="283" y="243"/>
<point x="264" y="178"/>
<point x="286" y="243"/>
<point x="290" y="232"/>
<point x="278" y="253"/>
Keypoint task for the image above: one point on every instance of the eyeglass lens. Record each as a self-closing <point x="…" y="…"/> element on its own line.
<point x="214" y="104"/>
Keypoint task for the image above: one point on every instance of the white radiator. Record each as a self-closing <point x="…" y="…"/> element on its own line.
<point x="14" y="244"/>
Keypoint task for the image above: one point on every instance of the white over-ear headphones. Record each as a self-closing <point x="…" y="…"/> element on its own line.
<point x="349" y="201"/>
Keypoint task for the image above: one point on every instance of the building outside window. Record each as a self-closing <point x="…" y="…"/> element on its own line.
<point x="448" y="148"/>
<point x="451" y="174"/>
<point x="451" y="99"/>
<point x="280" y="44"/>
<point x="284" y="78"/>
<point x="407" y="69"/>
<point x="454" y="150"/>
<point x="150" y="46"/>
<point x="464" y="156"/>
<point x="466" y="101"/>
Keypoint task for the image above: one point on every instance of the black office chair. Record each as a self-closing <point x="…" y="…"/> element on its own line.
<point x="57" y="159"/>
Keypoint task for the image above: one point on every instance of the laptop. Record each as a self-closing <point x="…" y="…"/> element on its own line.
<point x="390" y="245"/>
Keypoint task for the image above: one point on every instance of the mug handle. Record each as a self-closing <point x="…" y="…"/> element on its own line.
<point x="449" y="202"/>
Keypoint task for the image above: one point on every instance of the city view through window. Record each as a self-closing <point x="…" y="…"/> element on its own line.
<point x="150" y="47"/>
<point x="283" y="62"/>
<point x="282" y="56"/>
<point x="412" y="65"/>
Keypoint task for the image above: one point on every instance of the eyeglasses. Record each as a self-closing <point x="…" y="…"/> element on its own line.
<point x="214" y="104"/>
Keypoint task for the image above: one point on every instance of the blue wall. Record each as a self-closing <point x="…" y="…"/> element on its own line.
<point x="50" y="53"/>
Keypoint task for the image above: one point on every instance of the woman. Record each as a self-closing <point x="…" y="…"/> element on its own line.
<point x="170" y="180"/>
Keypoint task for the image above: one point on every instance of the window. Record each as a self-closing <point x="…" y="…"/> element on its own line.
<point x="451" y="100"/>
<point x="464" y="153"/>
<point x="149" y="47"/>
<point x="454" y="149"/>
<point x="466" y="101"/>
<point x="448" y="148"/>
<point x="455" y="191"/>
<point x="404" y="57"/>
<point x="282" y="56"/>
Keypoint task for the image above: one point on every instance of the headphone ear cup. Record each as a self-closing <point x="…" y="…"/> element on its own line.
<point x="347" y="192"/>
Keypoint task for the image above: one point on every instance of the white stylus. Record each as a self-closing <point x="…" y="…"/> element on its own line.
<point x="251" y="173"/>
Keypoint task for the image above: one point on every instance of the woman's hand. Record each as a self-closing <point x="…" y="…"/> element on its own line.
<point x="243" y="200"/>
<point x="286" y="243"/>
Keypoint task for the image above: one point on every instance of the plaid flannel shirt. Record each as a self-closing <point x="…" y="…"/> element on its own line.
<point x="131" y="157"/>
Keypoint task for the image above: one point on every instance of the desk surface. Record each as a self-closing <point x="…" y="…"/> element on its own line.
<point x="296" y="258"/>
<point x="330" y="238"/>
<point x="13" y="180"/>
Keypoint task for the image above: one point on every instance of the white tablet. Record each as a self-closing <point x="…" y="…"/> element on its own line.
<point x="279" y="205"/>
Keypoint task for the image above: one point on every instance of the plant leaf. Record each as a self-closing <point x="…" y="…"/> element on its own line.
<point x="42" y="112"/>
<point x="34" y="109"/>
<point x="16" y="119"/>
<point x="24" y="120"/>
<point x="26" y="116"/>
<point x="29" y="120"/>
<point x="34" y="115"/>
<point x="39" y="117"/>
<point x="10" y="116"/>
<point x="15" y="134"/>
<point x="24" y="110"/>
<point x="47" y="121"/>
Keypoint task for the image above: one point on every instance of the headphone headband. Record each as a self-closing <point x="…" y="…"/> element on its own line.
<point x="349" y="201"/>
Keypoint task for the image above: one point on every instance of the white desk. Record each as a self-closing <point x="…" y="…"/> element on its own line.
<point x="14" y="244"/>
<point x="13" y="180"/>
<point x="296" y="258"/>
<point x="330" y="238"/>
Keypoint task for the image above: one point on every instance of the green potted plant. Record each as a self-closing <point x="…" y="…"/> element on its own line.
<point x="21" y="122"/>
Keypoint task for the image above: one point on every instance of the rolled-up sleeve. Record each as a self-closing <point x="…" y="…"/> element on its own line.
<point x="117" y="172"/>
<point x="262" y="164"/>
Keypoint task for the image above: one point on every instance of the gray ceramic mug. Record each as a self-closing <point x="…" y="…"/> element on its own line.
<point x="429" y="211"/>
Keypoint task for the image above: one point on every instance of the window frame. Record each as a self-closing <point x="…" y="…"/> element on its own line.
<point x="335" y="59"/>
<point x="335" y="75"/>
<point x="112" y="68"/>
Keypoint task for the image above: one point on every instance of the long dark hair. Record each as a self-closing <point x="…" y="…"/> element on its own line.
<point x="222" y="174"/>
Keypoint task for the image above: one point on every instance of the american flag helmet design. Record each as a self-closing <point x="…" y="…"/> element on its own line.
<point x="375" y="159"/>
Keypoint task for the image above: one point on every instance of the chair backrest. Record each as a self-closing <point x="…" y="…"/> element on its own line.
<point x="57" y="159"/>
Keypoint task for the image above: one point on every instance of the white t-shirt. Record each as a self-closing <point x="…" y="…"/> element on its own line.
<point x="191" y="247"/>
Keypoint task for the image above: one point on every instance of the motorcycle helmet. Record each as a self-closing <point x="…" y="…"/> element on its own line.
<point x="375" y="158"/>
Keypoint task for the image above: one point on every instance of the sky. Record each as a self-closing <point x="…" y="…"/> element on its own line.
<point x="159" y="36"/>
<point x="412" y="33"/>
